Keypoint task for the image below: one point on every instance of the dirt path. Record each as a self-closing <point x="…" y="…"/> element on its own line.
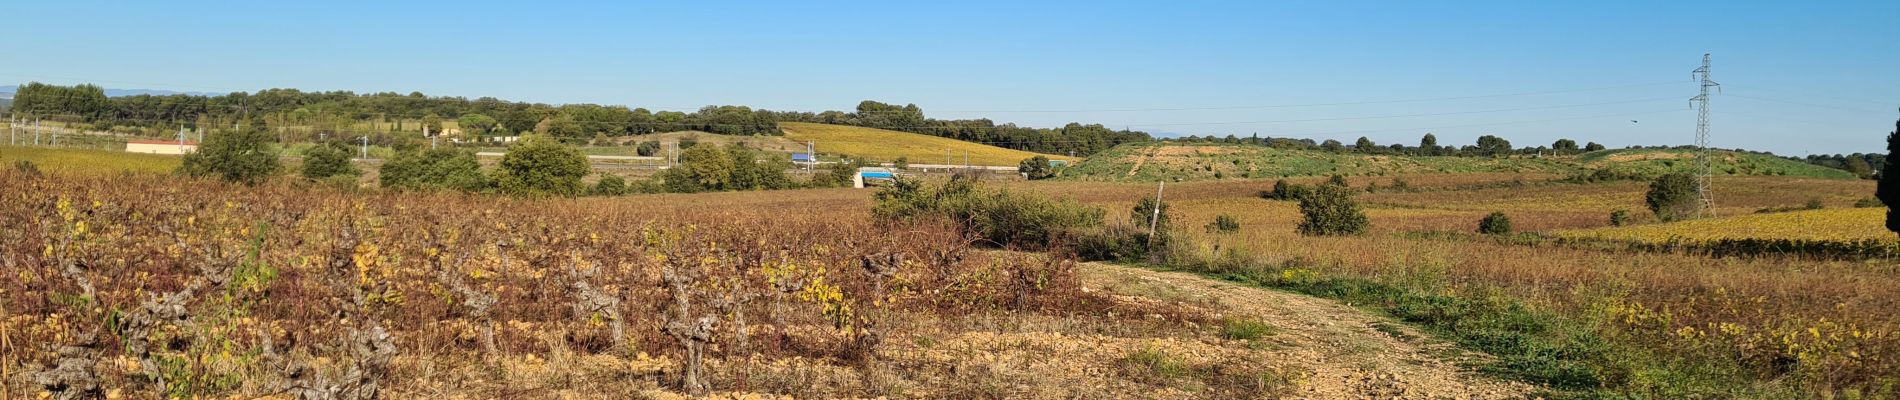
<point x="1139" y="161"/>
<point x="1350" y="354"/>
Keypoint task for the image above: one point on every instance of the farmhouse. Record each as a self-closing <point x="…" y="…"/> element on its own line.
<point x="160" y="146"/>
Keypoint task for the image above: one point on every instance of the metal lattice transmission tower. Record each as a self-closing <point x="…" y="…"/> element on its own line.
<point x="1703" y="158"/>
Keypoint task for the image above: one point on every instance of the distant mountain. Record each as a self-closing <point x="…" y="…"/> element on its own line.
<point x="6" y="92"/>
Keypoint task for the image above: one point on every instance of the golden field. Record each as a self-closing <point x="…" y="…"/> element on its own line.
<point x="879" y="145"/>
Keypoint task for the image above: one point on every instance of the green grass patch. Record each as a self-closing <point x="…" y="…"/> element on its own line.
<point x="1155" y="364"/>
<point x="1245" y="329"/>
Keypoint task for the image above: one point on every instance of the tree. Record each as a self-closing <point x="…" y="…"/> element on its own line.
<point x="1428" y="145"/>
<point x="1332" y="146"/>
<point x="1329" y="210"/>
<point x="1674" y="196"/>
<point x="1493" y="145"/>
<point x="901" y="163"/>
<point x="1593" y="146"/>
<point x="1364" y="145"/>
<point x="432" y="123"/>
<point x="475" y="124"/>
<point x="702" y="168"/>
<point x="1859" y="167"/>
<point x="647" y="149"/>
<point x="234" y="156"/>
<point x="433" y="169"/>
<point x="1495" y="224"/>
<point x="1564" y="146"/>
<point x="541" y="166"/>
<point x="1036" y="168"/>
<point x="1887" y="191"/>
<point x="610" y="185"/>
<point x="327" y="160"/>
<point x="1144" y="214"/>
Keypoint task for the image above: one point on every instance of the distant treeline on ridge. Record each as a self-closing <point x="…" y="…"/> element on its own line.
<point x="337" y="112"/>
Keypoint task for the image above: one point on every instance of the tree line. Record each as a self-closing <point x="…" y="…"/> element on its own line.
<point x="1486" y="146"/>
<point x="339" y="113"/>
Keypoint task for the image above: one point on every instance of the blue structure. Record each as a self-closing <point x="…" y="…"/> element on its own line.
<point x="801" y="157"/>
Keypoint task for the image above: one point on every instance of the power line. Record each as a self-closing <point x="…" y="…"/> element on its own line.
<point x="1806" y="104"/>
<point x="1409" y="115"/>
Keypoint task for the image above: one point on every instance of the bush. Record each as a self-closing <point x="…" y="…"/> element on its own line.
<point x="1869" y="202"/>
<point x="436" y="169"/>
<point x="1619" y="217"/>
<point x="1224" y="224"/>
<point x="1036" y="168"/>
<point x="1283" y="190"/>
<point x="1337" y="180"/>
<point x="1330" y="210"/>
<point x="610" y="185"/>
<point x="1495" y="224"/>
<point x="999" y="217"/>
<point x="327" y="160"/>
<point x="647" y="149"/>
<point x="234" y="157"/>
<point x="1144" y="215"/>
<point x="540" y="166"/>
<point x="1674" y="196"/>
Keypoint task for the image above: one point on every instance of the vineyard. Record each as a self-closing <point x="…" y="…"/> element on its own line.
<point x="130" y="285"/>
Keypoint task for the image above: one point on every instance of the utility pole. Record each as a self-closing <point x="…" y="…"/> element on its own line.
<point x="811" y="155"/>
<point x="365" y="139"/>
<point x="425" y="132"/>
<point x="1705" y="175"/>
<point x="36" y="131"/>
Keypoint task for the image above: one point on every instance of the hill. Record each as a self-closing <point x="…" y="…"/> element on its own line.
<point x="1658" y="161"/>
<point x="1173" y="161"/>
<point x="881" y="145"/>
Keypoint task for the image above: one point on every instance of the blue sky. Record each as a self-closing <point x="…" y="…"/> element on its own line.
<point x="1799" y="77"/>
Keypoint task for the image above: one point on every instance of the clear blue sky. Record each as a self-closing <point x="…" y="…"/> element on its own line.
<point x="1799" y="77"/>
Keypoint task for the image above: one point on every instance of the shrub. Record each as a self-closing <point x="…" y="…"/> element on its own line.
<point x="1814" y="204"/>
<point x="1337" y="180"/>
<point x="610" y="185"/>
<point x="1619" y="217"/>
<point x="1869" y="202"/>
<point x="1224" y="223"/>
<point x="647" y="149"/>
<point x="1674" y="197"/>
<point x="999" y="217"/>
<point x="540" y="166"/>
<point x="1283" y="190"/>
<point x="436" y="169"/>
<point x="327" y="160"/>
<point x="1495" y="224"/>
<point x="1330" y="210"/>
<point x="1144" y="215"/>
<point x="1036" y="168"/>
<point x="901" y="163"/>
<point x="238" y="156"/>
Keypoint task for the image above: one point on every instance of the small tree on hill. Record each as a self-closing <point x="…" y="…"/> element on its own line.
<point x="327" y="160"/>
<point x="1887" y="191"/>
<point x="1332" y="146"/>
<point x="541" y="166"/>
<point x="1364" y="145"/>
<point x="1337" y="180"/>
<point x="1592" y="146"/>
<point x="1564" y="146"/>
<point x="239" y="156"/>
<point x="1330" y="210"/>
<point x="1428" y="145"/>
<point x="1495" y="224"/>
<point x="1674" y="197"/>
<point x="1036" y="168"/>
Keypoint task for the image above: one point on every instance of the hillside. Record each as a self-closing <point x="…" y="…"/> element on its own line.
<point x="885" y="145"/>
<point x="1158" y="161"/>
<point x="1658" y="161"/>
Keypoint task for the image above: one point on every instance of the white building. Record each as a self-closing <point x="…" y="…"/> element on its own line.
<point x="160" y="146"/>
